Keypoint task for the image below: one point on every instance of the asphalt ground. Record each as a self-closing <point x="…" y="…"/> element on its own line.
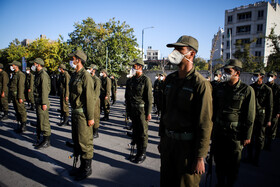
<point x="22" y="165"/>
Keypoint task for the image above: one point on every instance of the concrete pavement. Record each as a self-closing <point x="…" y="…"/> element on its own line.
<point x="22" y="165"/>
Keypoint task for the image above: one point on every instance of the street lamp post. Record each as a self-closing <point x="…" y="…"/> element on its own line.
<point x="143" y="40"/>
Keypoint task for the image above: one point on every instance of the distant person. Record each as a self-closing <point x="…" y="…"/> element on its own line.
<point x="29" y="88"/>
<point x="4" y="81"/>
<point x="105" y="94"/>
<point x="114" y="88"/>
<point x="217" y="79"/>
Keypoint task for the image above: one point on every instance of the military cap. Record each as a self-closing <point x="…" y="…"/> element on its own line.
<point x="39" y="61"/>
<point x="164" y="74"/>
<point x="273" y="73"/>
<point x="218" y="72"/>
<point x="62" y="66"/>
<point x="104" y="71"/>
<point x="17" y="63"/>
<point x="233" y="63"/>
<point x="1" y="66"/>
<point x="185" y="41"/>
<point x="80" y="54"/>
<point x="259" y="71"/>
<point x="27" y="68"/>
<point x="92" y="66"/>
<point x="137" y="61"/>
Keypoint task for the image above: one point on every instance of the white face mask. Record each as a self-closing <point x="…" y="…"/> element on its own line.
<point x="33" y="68"/>
<point x="175" y="57"/>
<point x="12" y="68"/>
<point x="59" y="70"/>
<point x="156" y="77"/>
<point x="133" y="71"/>
<point x="216" y="78"/>
<point x="88" y="70"/>
<point x="161" y="78"/>
<point x="226" y="77"/>
<point x="101" y="74"/>
<point x="28" y="72"/>
<point x="270" y="79"/>
<point x="254" y="79"/>
<point x="72" y="64"/>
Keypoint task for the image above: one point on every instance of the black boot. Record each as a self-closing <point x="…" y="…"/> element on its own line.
<point x="95" y="133"/>
<point x="75" y="171"/>
<point x="85" y="171"/>
<point x="65" y="121"/>
<point x="140" y="156"/>
<point x="22" y="128"/>
<point x="44" y="144"/>
<point x="32" y="107"/>
<point x="5" y="116"/>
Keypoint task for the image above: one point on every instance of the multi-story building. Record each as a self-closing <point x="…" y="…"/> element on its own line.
<point x="248" y="23"/>
<point x="152" y="54"/>
<point x="218" y="41"/>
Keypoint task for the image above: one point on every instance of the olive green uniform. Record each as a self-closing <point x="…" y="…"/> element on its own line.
<point x="140" y="96"/>
<point x="114" y="89"/>
<point x="96" y="89"/>
<point x="17" y="92"/>
<point x="83" y="105"/>
<point x="264" y="106"/>
<point x="271" y="131"/>
<point x="42" y="87"/>
<point x="29" y="84"/>
<point x="4" y="81"/>
<point x="160" y="97"/>
<point x="127" y="101"/>
<point x="105" y="91"/>
<point x="64" y="92"/>
<point x="185" y="127"/>
<point x="234" y="114"/>
<point x="156" y="92"/>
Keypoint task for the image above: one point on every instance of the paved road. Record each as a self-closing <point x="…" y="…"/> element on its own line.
<point x="22" y="165"/>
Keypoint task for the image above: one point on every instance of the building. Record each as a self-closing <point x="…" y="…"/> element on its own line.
<point x="248" y="23"/>
<point x="152" y="54"/>
<point x="218" y="52"/>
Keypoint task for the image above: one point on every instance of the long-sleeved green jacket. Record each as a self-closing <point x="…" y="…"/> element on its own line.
<point x="81" y="93"/>
<point x="276" y="98"/>
<point x="4" y="81"/>
<point x="96" y="86"/>
<point x="17" y="85"/>
<point x="187" y="108"/>
<point x="29" y="82"/>
<point x="42" y="87"/>
<point x="105" y="86"/>
<point x="64" y="83"/>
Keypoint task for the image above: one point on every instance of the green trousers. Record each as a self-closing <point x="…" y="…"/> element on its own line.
<point x="20" y="110"/>
<point x="177" y="158"/>
<point x="4" y="105"/>
<point x="43" y="123"/>
<point x="105" y="104"/>
<point x="29" y="96"/>
<point x="82" y="135"/>
<point x="64" y="106"/>
<point x="97" y="114"/>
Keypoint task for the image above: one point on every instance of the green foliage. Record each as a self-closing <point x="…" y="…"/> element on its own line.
<point x="200" y="64"/>
<point x="15" y="51"/>
<point x="273" y="62"/>
<point x="113" y="39"/>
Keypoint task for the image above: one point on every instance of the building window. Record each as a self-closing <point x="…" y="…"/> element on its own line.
<point x="243" y="41"/>
<point x="229" y="32"/>
<point x="259" y="42"/>
<point x="243" y="29"/>
<point x="246" y="16"/>
<point x="229" y="19"/>
<point x="227" y="55"/>
<point x="260" y="14"/>
<point x="258" y="53"/>
<point x="156" y="53"/>
<point x="227" y="44"/>
<point x="259" y="27"/>
<point x="149" y="53"/>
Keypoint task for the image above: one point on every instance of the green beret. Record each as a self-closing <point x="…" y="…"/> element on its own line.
<point x="137" y="61"/>
<point x="233" y="63"/>
<point x="80" y="54"/>
<point x="185" y="41"/>
<point x="273" y="73"/>
<point x="39" y="61"/>
<point x="16" y="63"/>
<point x="92" y="66"/>
<point x="62" y="66"/>
<point x="1" y="66"/>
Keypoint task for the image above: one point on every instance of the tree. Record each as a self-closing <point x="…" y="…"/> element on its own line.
<point x="200" y="64"/>
<point x="15" y="51"/>
<point x="112" y="41"/>
<point x="273" y="62"/>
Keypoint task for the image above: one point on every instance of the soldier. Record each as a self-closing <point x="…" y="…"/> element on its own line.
<point x="156" y="92"/>
<point x="105" y="93"/>
<point x="29" y="86"/>
<point x="234" y="114"/>
<point x="264" y="106"/>
<point x="83" y="105"/>
<point x="96" y="88"/>
<point x="140" y="96"/>
<point x="271" y="130"/>
<point x="160" y="93"/>
<point x="185" y="125"/>
<point x="4" y="81"/>
<point x="217" y="79"/>
<point x="42" y="87"/>
<point x="17" y="93"/>
<point x="64" y="79"/>
<point x="114" y="88"/>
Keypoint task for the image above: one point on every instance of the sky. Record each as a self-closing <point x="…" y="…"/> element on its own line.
<point x="28" y="19"/>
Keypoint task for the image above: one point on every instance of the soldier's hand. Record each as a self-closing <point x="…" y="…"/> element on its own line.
<point x="20" y="101"/>
<point x="277" y="116"/>
<point x="246" y="142"/>
<point x="29" y="90"/>
<point x="90" y="123"/>
<point x="199" y="166"/>
<point x="106" y="97"/>
<point x="66" y="99"/>
<point x="149" y="117"/>
<point x="44" y="107"/>
<point x="269" y="124"/>
<point x="3" y="94"/>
